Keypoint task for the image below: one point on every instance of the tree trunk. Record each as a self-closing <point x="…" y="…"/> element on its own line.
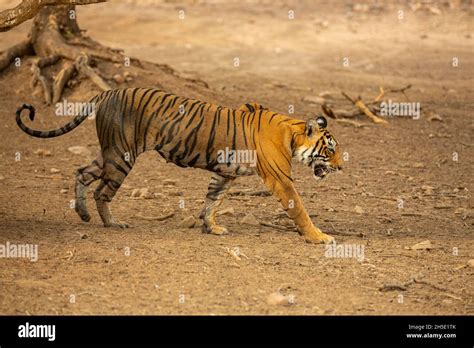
<point x="55" y="38"/>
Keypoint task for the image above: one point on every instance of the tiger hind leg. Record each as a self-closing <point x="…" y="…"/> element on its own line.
<point x="112" y="179"/>
<point x="217" y="189"/>
<point x="85" y="176"/>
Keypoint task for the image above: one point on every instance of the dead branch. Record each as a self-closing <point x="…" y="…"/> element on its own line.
<point x="262" y="193"/>
<point x="352" y="123"/>
<point x="425" y="282"/>
<point x="348" y="234"/>
<point x="362" y="107"/>
<point x="393" y="287"/>
<point x="380" y="96"/>
<point x="28" y="9"/>
<point x="328" y="111"/>
<point x="278" y="227"/>
<point x="154" y="218"/>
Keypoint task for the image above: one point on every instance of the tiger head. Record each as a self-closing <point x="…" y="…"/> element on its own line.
<point x="320" y="150"/>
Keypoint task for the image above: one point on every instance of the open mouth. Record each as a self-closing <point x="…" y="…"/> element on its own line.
<point x="320" y="171"/>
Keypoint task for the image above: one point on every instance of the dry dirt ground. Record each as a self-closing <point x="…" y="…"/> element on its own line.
<point x="403" y="183"/>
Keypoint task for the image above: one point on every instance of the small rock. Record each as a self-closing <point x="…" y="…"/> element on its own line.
<point x="188" y="222"/>
<point x="169" y="182"/>
<point x="358" y="209"/>
<point x="79" y="150"/>
<point x="228" y="212"/>
<point x="418" y="165"/>
<point x="428" y="190"/>
<point x="2" y="177"/>
<point x="325" y="94"/>
<point x="314" y="99"/>
<point x="54" y="170"/>
<point x="435" y="117"/>
<point x="250" y="219"/>
<point x="425" y="245"/>
<point x="147" y="195"/>
<point x="470" y="263"/>
<point x="158" y="195"/>
<point x="390" y="172"/>
<point x="119" y="78"/>
<point x="278" y="299"/>
<point x="64" y="191"/>
<point x="42" y="152"/>
<point x="141" y="193"/>
<point x="176" y="193"/>
<point x="443" y="206"/>
<point x="447" y="302"/>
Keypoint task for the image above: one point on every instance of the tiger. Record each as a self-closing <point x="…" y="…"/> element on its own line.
<point x="192" y="133"/>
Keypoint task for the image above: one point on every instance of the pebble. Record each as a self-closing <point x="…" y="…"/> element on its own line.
<point x="435" y="117"/>
<point x="42" y="152"/>
<point x="314" y="99"/>
<point x="358" y="209"/>
<point x="425" y="245"/>
<point x="278" y="299"/>
<point x="169" y="182"/>
<point x="250" y="219"/>
<point x="119" y="78"/>
<point x="228" y="212"/>
<point x="188" y="222"/>
<point x="429" y="190"/>
<point x="142" y="193"/>
<point x="54" y="170"/>
<point x="79" y="150"/>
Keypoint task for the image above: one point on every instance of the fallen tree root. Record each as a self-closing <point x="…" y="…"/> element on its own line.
<point x="38" y="77"/>
<point x="82" y="65"/>
<point x="62" y="79"/>
<point x="19" y="50"/>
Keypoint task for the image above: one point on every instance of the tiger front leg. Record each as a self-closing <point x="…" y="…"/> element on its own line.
<point x="217" y="189"/>
<point x="292" y="204"/>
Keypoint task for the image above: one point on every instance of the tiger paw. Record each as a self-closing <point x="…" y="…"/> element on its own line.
<point x="118" y="224"/>
<point x="215" y="229"/>
<point x="318" y="237"/>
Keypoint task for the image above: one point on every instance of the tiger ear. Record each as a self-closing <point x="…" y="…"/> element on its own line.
<point x="312" y="125"/>
<point x="322" y="122"/>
